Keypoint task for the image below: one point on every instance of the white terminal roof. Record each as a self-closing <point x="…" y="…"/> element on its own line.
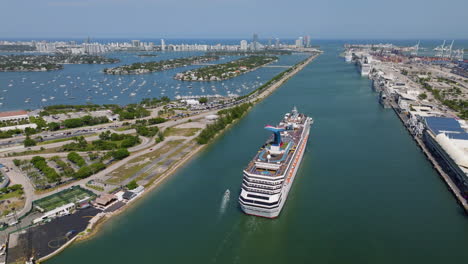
<point x="452" y="137"/>
<point x="457" y="149"/>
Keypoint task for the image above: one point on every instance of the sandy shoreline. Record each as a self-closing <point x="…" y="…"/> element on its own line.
<point x="95" y="226"/>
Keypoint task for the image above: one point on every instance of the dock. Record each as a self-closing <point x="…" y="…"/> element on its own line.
<point x="445" y="177"/>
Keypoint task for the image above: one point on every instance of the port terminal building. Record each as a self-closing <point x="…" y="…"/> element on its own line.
<point x="447" y="140"/>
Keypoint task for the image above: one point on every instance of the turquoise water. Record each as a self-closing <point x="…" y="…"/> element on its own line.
<point x="364" y="193"/>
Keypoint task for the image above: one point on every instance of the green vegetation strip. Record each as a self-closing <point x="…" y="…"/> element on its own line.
<point x="106" y="141"/>
<point x="13" y="191"/>
<point x="94" y="187"/>
<point x="184" y="132"/>
<point x="226" y="117"/>
<point x="273" y="80"/>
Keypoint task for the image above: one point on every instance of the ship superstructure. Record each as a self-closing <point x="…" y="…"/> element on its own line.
<point x="348" y="56"/>
<point x="364" y="65"/>
<point x="269" y="176"/>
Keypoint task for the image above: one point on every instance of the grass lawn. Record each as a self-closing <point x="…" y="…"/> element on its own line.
<point x="5" y="209"/>
<point x="94" y="187"/>
<point x="133" y="166"/>
<point x="17" y="193"/>
<point x="185" y="132"/>
<point x="31" y="152"/>
<point x="175" y="153"/>
<point x="124" y="128"/>
<point x="60" y="140"/>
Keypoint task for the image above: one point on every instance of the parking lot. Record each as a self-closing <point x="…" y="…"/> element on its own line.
<point x="42" y="240"/>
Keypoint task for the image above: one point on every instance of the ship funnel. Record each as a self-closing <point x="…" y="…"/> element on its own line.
<point x="277" y="132"/>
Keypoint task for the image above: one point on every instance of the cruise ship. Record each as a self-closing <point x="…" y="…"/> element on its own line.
<point x="364" y="65"/>
<point x="270" y="175"/>
<point x="348" y="56"/>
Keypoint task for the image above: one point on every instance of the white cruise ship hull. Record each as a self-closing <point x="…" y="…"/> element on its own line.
<point x="290" y="175"/>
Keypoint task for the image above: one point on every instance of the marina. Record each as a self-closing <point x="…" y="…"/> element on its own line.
<point x="81" y="84"/>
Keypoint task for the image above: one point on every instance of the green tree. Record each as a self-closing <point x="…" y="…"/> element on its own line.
<point x="132" y="185"/>
<point x="39" y="121"/>
<point x="29" y="131"/>
<point x="160" y="137"/>
<point x="105" y="135"/>
<point x="73" y="122"/>
<point x="203" y="100"/>
<point x="54" y="126"/>
<point x="29" y="142"/>
<point x="76" y="158"/>
<point x="120" y="154"/>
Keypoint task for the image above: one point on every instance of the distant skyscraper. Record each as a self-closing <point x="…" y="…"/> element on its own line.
<point x="307" y="41"/>
<point x="163" y="45"/>
<point x="277" y="43"/>
<point x="255" y="43"/>
<point x="299" y="42"/>
<point x="243" y="45"/>
<point x="135" y="43"/>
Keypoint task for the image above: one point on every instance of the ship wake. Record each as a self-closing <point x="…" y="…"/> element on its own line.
<point x="225" y="202"/>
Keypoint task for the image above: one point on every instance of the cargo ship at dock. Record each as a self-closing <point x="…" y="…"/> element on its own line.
<point x="268" y="178"/>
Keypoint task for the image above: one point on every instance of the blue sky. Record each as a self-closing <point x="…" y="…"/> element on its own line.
<point x="326" y="19"/>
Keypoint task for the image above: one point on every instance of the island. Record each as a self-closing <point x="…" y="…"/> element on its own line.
<point x="23" y="63"/>
<point x="147" y="55"/>
<point x="154" y="66"/>
<point x="225" y="71"/>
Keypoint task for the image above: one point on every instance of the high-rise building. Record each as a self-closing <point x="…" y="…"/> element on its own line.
<point x="255" y="44"/>
<point x="243" y="45"/>
<point x="163" y="45"/>
<point x="307" y="41"/>
<point x="135" y="43"/>
<point x="277" y="43"/>
<point x="299" y="42"/>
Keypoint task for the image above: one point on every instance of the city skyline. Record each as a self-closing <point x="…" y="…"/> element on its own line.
<point x="145" y="18"/>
